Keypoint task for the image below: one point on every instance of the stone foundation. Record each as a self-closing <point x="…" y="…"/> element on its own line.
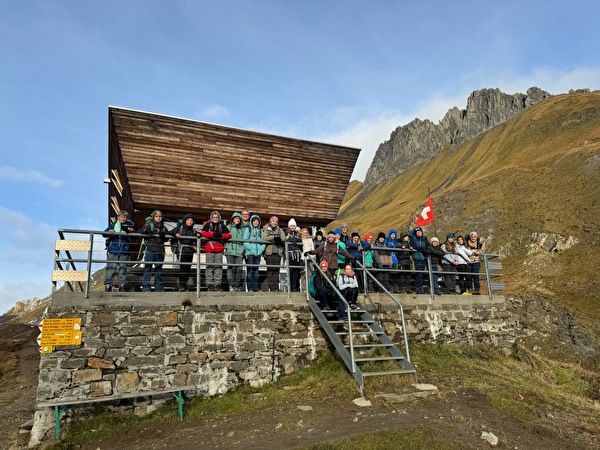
<point x="141" y="342"/>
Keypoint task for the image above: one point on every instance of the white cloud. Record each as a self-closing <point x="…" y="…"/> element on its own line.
<point x="26" y="259"/>
<point x="9" y="173"/>
<point x="212" y="112"/>
<point x="555" y="81"/>
<point x="367" y="134"/>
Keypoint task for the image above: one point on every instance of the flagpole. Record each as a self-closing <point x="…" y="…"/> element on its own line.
<point x="434" y="227"/>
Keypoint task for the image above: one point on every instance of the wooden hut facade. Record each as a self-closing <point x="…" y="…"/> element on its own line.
<point x="180" y="166"/>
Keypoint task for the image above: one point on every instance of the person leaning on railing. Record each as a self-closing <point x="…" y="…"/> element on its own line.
<point x="155" y="251"/>
<point x="276" y="237"/>
<point x="436" y="255"/>
<point x="476" y="246"/>
<point x="117" y="252"/>
<point x="234" y="253"/>
<point x="187" y="248"/>
<point x="253" y="251"/>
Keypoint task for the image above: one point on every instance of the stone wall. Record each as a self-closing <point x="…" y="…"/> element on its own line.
<point x="216" y="348"/>
<point x="217" y="344"/>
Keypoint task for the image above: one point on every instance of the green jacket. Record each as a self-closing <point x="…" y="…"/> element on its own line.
<point x="237" y="232"/>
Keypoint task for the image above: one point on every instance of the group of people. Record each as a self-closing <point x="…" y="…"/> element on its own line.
<point x="245" y="240"/>
<point x="400" y="263"/>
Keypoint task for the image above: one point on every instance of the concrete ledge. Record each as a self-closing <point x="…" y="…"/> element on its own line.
<point x="172" y="299"/>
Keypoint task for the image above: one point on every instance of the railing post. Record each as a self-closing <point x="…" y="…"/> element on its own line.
<point x="89" y="266"/>
<point x="286" y="261"/>
<point x="430" y="274"/>
<point x="488" y="278"/>
<point x="364" y="273"/>
<point x="198" y="263"/>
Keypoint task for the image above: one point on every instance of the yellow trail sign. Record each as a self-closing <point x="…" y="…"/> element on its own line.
<point x="60" y="332"/>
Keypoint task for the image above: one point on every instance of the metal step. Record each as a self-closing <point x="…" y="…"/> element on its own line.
<point x="360" y="333"/>
<point x="380" y="358"/>
<point x="358" y="322"/>
<point x="369" y="345"/>
<point x="387" y="372"/>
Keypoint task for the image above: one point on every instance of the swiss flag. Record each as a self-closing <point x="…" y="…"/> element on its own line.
<point x="426" y="215"/>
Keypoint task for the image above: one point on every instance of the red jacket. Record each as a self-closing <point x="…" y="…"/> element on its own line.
<point x="212" y="244"/>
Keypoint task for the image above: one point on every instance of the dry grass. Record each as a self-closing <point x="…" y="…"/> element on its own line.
<point x="539" y="172"/>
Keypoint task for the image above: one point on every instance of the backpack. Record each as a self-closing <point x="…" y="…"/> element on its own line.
<point x="312" y="291"/>
<point x="175" y="245"/>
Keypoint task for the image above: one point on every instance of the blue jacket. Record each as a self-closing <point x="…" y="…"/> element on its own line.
<point x="118" y="242"/>
<point x="254" y="234"/>
<point x="356" y="249"/>
<point x="420" y="245"/>
<point x="392" y="243"/>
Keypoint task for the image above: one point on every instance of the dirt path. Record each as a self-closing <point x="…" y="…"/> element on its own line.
<point x="458" y="418"/>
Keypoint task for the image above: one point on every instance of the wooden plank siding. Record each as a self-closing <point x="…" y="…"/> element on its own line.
<point x="180" y="166"/>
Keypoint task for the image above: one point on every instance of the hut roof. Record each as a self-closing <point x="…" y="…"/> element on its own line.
<point x="181" y="165"/>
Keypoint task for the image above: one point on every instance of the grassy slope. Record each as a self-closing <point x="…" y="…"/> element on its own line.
<point x="539" y="172"/>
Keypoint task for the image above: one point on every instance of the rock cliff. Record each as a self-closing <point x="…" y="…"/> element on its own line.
<point x="421" y="139"/>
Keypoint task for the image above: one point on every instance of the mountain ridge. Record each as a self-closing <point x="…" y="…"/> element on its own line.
<point x="419" y="140"/>
<point x="534" y="175"/>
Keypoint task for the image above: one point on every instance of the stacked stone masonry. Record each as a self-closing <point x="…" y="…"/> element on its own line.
<point x="219" y="347"/>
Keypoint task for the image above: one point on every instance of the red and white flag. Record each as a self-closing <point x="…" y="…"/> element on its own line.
<point x="426" y="215"/>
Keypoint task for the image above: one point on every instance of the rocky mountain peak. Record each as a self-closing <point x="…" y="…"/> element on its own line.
<point x="419" y="140"/>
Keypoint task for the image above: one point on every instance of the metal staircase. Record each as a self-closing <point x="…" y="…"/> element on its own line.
<point x="361" y="341"/>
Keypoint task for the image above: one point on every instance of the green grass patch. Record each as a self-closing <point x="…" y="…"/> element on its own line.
<point x="328" y="378"/>
<point x="103" y="424"/>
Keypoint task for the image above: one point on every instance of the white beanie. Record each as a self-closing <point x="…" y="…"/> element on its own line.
<point x="291" y="222"/>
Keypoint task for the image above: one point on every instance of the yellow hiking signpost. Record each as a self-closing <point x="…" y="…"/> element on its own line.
<point x="56" y="332"/>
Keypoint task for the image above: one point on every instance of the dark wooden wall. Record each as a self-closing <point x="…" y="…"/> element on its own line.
<point x="179" y="166"/>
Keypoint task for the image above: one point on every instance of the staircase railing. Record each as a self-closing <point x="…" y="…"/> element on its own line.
<point x="375" y="330"/>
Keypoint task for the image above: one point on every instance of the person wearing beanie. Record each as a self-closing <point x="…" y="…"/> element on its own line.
<point x="419" y="244"/>
<point x="341" y="244"/>
<point x="331" y="251"/>
<point x="117" y="250"/>
<point x="476" y="246"/>
<point x="294" y="255"/>
<point x="319" y="238"/>
<point x="323" y="282"/>
<point x="369" y="260"/>
<point x="187" y="248"/>
<point x="436" y="255"/>
<point x="449" y="263"/>
<point x="214" y="233"/>
<point x="234" y="253"/>
<point x="404" y="263"/>
<point x="392" y="242"/>
<point x="356" y="248"/>
<point x="463" y="268"/>
<point x="344" y="236"/>
<point x="155" y="251"/>
<point x="276" y="237"/>
<point x="382" y="261"/>
<point x="253" y="251"/>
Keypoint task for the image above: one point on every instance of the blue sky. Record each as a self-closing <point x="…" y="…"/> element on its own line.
<point x="345" y="72"/>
